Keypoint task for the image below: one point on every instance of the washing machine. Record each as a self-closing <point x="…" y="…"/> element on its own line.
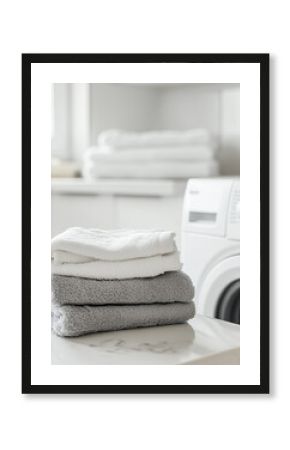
<point x="210" y="245"/>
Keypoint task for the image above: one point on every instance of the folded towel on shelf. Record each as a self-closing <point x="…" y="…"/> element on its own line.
<point x="168" y="288"/>
<point x="156" y="169"/>
<point x="202" y="152"/>
<point x="80" y="245"/>
<point x="78" y="320"/>
<point x="111" y="270"/>
<point x="121" y="139"/>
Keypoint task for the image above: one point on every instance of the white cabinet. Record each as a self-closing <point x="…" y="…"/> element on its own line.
<point x="76" y="207"/>
<point x="81" y="210"/>
<point x="150" y="212"/>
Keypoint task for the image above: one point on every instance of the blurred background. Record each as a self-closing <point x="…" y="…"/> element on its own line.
<point x="127" y="193"/>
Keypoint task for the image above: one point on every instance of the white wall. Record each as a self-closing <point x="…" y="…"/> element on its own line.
<point x="135" y="107"/>
<point x="60" y="127"/>
<point x="230" y="131"/>
<point x="123" y="106"/>
<point x="190" y="106"/>
<point x="215" y="107"/>
<point x="142" y="107"/>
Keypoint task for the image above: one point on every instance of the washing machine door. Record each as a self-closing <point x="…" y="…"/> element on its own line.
<point x="219" y="293"/>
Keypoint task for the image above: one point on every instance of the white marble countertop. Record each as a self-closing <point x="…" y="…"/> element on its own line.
<point x="200" y="341"/>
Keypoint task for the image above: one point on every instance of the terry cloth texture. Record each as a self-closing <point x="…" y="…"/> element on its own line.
<point x="78" y="320"/>
<point x="77" y="245"/>
<point x="118" y="270"/>
<point x="168" y="288"/>
<point x="115" y="254"/>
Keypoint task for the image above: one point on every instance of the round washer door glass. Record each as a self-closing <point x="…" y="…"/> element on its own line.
<point x="219" y="294"/>
<point x="228" y="307"/>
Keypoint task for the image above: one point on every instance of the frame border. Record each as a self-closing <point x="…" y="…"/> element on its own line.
<point x="261" y="58"/>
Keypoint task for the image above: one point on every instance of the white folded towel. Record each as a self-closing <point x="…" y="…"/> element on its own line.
<point x="80" y="245"/>
<point x="120" y="139"/>
<point x="180" y="153"/>
<point x="156" y="169"/>
<point x="116" y="254"/>
<point x="131" y="268"/>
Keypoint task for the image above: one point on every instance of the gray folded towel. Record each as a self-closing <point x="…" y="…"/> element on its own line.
<point x="77" y="320"/>
<point x="167" y="288"/>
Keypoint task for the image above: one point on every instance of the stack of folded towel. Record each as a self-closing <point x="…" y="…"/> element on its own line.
<point x="155" y="154"/>
<point x="112" y="280"/>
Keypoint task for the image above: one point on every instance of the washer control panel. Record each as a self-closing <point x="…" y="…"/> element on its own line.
<point x="210" y="204"/>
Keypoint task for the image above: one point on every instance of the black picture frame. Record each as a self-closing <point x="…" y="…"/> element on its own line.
<point x="263" y="61"/>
